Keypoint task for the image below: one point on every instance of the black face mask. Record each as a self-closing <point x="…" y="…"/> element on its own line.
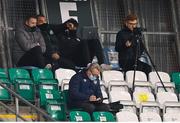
<point x="32" y="29"/>
<point x="72" y="33"/>
<point x="43" y="26"/>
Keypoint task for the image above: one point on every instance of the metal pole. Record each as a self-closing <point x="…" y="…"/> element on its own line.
<point x="7" y="29"/>
<point x="175" y="26"/>
<point x="17" y="107"/>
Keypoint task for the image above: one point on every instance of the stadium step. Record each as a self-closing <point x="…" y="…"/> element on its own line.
<point x="24" y="111"/>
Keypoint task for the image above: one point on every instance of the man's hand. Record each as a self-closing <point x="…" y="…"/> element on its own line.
<point x="92" y="98"/>
<point x="128" y="43"/>
<point x="55" y="56"/>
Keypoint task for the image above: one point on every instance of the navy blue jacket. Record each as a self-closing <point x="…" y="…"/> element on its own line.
<point x="81" y="88"/>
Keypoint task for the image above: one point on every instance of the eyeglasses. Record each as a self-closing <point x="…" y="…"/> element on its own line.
<point x="132" y="23"/>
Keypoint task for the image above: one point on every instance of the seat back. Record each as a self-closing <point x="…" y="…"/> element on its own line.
<point x="175" y="77"/>
<point x="56" y="111"/>
<point x="49" y="95"/>
<point x="79" y="116"/>
<point x="163" y="97"/>
<point x="103" y="117"/>
<point x="4" y="94"/>
<point x="150" y="117"/>
<point x="140" y="97"/>
<point x="3" y="73"/>
<point x="126" y="116"/>
<point x="18" y="73"/>
<point x="153" y="77"/>
<point x="61" y="74"/>
<point x="119" y="95"/>
<point x="25" y="88"/>
<point x="41" y="74"/>
<point x="110" y="75"/>
<point x="139" y="76"/>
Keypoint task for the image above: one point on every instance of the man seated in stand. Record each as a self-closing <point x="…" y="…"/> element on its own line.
<point x="85" y="92"/>
<point x="52" y="54"/>
<point x="29" y="45"/>
<point x="81" y="52"/>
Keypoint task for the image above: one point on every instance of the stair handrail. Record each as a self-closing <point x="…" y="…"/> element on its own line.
<point x="27" y="102"/>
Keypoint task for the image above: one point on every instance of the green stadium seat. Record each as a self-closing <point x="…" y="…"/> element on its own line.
<point x="25" y="88"/>
<point x="43" y="75"/>
<point x="23" y="83"/>
<point x="17" y="73"/>
<point x="103" y="117"/>
<point x="79" y="116"/>
<point x="4" y="94"/>
<point x="50" y="96"/>
<point x="56" y="110"/>
<point x="44" y="79"/>
<point x="175" y="77"/>
<point x="3" y="73"/>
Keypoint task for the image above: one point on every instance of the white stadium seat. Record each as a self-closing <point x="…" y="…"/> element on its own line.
<point x="139" y="76"/>
<point x="112" y="75"/>
<point x="126" y="116"/>
<point x="61" y="74"/>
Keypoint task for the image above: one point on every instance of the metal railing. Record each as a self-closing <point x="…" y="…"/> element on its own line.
<point x="49" y="118"/>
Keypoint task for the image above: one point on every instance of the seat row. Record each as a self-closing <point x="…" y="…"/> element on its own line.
<point x="38" y="86"/>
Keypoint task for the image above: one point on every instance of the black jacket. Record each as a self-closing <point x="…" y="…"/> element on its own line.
<point x="68" y="41"/>
<point x="127" y="54"/>
<point x="50" y="39"/>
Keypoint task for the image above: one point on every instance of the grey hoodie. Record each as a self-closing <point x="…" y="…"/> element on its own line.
<point x="26" y="40"/>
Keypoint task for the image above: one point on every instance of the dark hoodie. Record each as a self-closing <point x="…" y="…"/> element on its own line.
<point x="68" y="41"/>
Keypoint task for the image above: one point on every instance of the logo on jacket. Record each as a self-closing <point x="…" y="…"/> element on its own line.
<point x="95" y="82"/>
<point x="84" y="80"/>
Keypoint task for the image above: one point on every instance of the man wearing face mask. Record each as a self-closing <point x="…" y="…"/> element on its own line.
<point x="80" y="51"/>
<point x="85" y="92"/>
<point x="52" y="54"/>
<point x="29" y="45"/>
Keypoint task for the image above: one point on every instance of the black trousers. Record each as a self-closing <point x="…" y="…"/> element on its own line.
<point x="63" y="63"/>
<point x="95" y="49"/>
<point x="92" y="107"/>
<point x="129" y="65"/>
<point x="33" y="57"/>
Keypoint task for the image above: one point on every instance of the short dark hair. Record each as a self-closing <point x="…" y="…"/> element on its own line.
<point x="27" y="18"/>
<point x="40" y="15"/>
<point x="73" y="21"/>
<point x="131" y="17"/>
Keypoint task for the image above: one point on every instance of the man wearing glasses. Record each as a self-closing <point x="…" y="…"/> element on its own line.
<point x="128" y="45"/>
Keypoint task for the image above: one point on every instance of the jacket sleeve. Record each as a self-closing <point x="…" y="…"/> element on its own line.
<point x="120" y="42"/>
<point x="24" y="41"/>
<point x="98" y="90"/>
<point x="74" y="86"/>
<point x="41" y="41"/>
